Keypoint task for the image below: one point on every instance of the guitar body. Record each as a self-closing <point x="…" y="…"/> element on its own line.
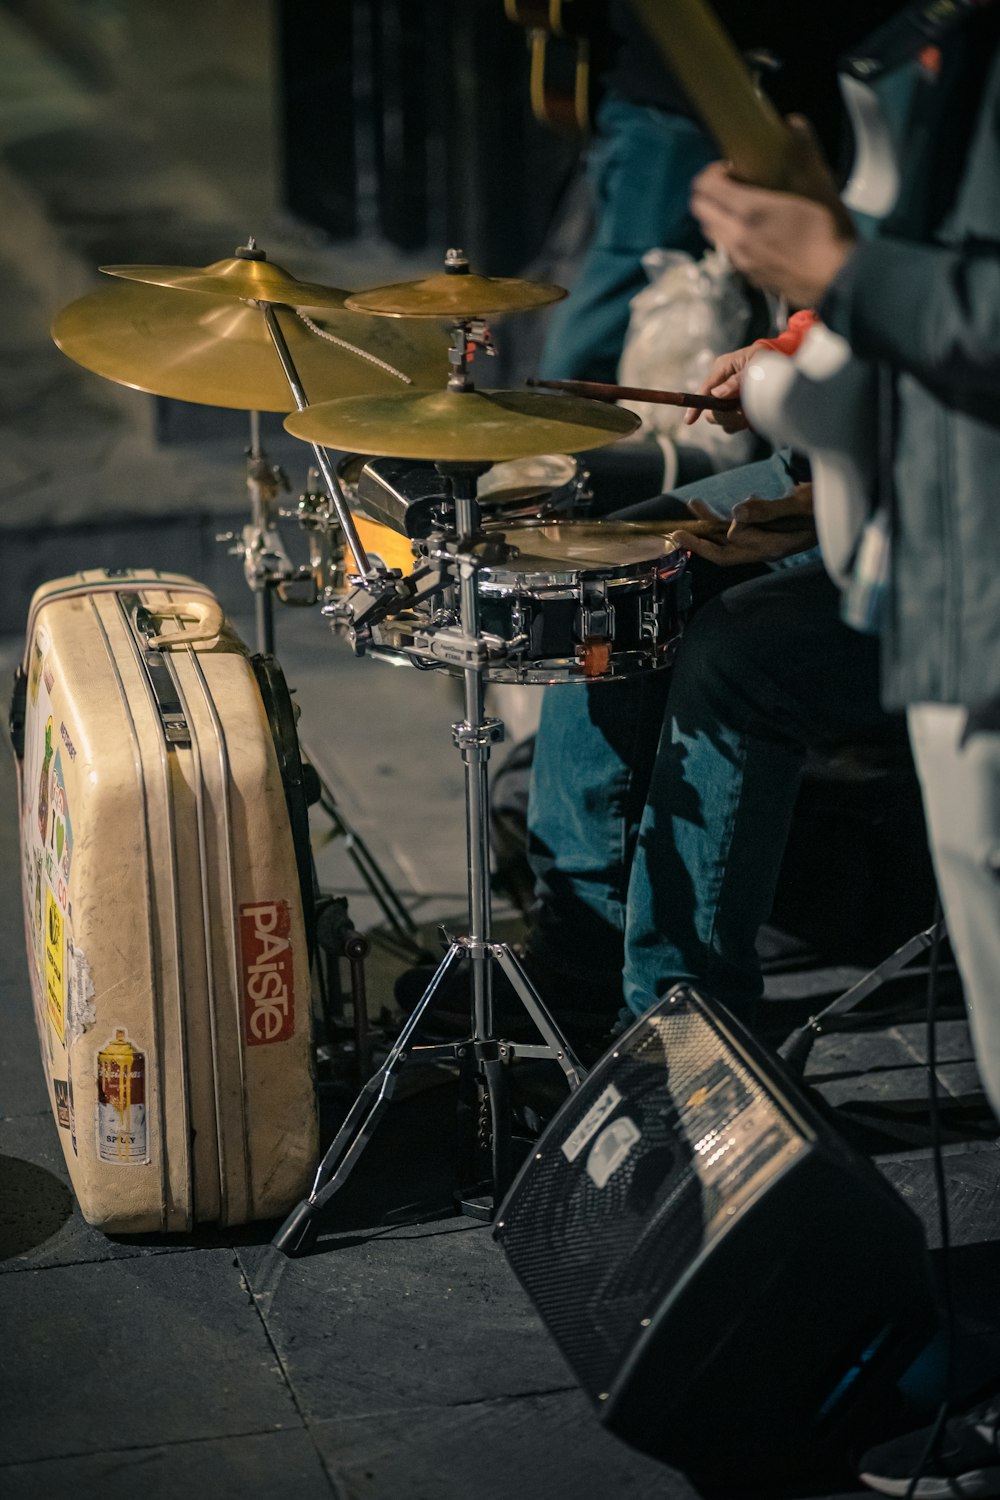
<point x="822" y="401"/>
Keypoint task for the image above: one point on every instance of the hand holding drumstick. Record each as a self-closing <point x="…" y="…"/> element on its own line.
<point x="758" y="531"/>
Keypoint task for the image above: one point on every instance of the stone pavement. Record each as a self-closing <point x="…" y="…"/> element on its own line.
<point x="400" y="1360"/>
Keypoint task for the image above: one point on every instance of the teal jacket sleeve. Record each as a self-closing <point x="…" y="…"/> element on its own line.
<point x="931" y="310"/>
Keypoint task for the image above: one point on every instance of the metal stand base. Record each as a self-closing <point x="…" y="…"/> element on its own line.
<point x="489" y="1056"/>
<point x="482" y="1050"/>
<point x="796" y="1049"/>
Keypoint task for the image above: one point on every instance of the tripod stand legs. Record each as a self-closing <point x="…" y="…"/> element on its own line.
<point x="796" y="1049"/>
<point x="492" y="1056"/>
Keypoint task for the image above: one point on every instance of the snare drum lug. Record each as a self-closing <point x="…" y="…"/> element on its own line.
<point x="649" y="621"/>
<point x="596" y="618"/>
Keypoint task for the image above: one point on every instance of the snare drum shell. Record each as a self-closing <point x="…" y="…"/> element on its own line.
<point x="165" y="934"/>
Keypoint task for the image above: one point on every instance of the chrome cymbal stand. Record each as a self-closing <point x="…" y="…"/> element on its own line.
<point x="465" y="650"/>
<point x="268" y="570"/>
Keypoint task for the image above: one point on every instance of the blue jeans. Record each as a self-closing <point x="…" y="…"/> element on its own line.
<point x="660" y="805"/>
<point x="640" y="167"/>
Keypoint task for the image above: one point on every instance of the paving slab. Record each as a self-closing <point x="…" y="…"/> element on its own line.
<point x="972" y="1177"/>
<point x="269" y="1466"/>
<point x="420" y="1317"/>
<point x="135" y="1353"/>
<point x="41" y="1223"/>
<point x="534" y="1448"/>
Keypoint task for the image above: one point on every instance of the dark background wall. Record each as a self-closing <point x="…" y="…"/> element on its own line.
<point x="410" y="120"/>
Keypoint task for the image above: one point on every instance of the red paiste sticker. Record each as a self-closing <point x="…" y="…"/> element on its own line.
<point x="268" y="982"/>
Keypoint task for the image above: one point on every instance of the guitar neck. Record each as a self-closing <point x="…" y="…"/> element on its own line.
<point x="715" y="78"/>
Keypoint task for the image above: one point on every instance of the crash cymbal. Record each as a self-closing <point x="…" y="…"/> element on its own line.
<point x="462" y="426"/>
<point x="245" y="279"/>
<point x="217" y="352"/>
<point x="455" y="296"/>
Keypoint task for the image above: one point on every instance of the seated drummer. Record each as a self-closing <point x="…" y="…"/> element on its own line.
<point x="660" y="805"/>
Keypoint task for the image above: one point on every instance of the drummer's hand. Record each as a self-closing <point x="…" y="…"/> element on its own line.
<point x="760" y="530"/>
<point x="723" y="379"/>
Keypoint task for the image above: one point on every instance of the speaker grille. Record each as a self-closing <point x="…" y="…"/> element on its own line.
<point x="640" y="1173"/>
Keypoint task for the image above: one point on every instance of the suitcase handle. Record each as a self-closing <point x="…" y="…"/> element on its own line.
<point x="206" y="615"/>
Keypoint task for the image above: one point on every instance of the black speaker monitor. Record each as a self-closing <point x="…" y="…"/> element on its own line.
<point x="730" y="1282"/>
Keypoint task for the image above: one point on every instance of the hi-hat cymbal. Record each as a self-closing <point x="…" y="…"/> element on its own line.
<point x="462" y="426"/>
<point x="244" y="279"/>
<point x="455" y="296"/>
<point x="217" y="352"/>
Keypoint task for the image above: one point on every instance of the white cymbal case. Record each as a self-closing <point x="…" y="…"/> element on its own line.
<point x="163" y="910"/>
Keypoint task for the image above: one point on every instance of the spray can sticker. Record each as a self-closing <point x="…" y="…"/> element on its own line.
<point x="121" y="1102"/>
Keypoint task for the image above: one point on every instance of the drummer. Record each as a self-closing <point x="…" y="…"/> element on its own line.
<point x="660" y="805"/>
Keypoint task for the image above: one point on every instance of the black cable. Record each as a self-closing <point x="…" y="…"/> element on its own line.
<point x="944" y="1222"/>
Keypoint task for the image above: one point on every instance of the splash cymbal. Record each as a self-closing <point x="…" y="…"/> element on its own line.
<point x="462" y="426"/>
<point x="455" y="296"/>
<point x="245" y="279"/>
<point x="216" y="351"/>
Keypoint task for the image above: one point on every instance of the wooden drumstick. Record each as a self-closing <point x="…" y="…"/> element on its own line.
<point x="599" y="391"/>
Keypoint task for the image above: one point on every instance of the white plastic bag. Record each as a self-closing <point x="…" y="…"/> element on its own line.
<point x="691" y="312"/>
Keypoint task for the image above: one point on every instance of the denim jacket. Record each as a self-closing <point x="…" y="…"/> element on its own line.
<point x="923" y="299"/>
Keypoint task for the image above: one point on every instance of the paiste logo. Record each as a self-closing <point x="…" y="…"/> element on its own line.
<point x="268" y="981"/>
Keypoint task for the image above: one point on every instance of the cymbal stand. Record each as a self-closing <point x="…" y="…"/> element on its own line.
<point x="489" y="1053"/>
<point x="268" y="569"/>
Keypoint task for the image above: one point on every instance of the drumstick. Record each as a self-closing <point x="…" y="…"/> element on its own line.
<point x="598" y="391"/>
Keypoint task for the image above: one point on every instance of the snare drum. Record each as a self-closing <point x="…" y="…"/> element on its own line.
<point x="583" y="601"/>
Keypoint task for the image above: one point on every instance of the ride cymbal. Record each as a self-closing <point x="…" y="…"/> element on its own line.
<point x="447" y="295"/>
<point x="462" y="426"/>
<point x="216" y="351"/>
<point x="247" y="279"/>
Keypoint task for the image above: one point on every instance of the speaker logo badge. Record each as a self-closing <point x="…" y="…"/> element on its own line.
<point x="610" y="1149"/>
<point x="268" y="980"/>
<point x="121" y="1102"/>
<point x="591" y="1123"/>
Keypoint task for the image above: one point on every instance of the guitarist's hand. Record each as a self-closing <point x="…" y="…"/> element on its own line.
<point x="786" y="243"/>
<point x="723" y="379"/>
<point x="760" y="530"/>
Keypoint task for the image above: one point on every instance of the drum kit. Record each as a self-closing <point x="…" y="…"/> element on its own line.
<point x="455" y="508"/>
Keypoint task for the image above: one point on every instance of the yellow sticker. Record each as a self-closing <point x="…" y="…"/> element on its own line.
<point x="54" y="950"/>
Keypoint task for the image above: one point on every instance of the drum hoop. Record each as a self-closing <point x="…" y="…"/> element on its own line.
<point x="509" y="578"/>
